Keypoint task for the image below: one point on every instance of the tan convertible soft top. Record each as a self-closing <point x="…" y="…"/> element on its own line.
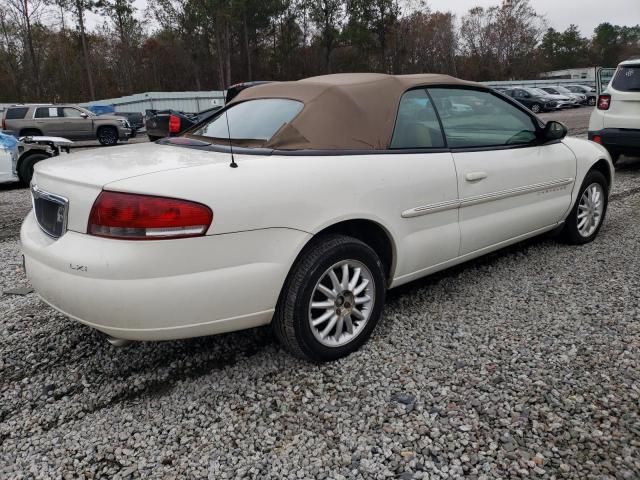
<point x="343" y="111"/>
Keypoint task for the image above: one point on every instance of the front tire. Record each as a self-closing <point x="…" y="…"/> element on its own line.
<point x="586" y="217"/>
<point x="331" y="300"/>
<point x="536" y="108"/>
<point x="108" y="136"/>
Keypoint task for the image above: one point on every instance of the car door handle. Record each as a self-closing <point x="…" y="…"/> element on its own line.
<point x="475" y="176"/>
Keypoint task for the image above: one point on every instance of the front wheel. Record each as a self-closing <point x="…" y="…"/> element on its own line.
<point x="332" y="299"/>
<point x="536" y="108"/>
<point x="584" y="222"/>
<point x="108" y="136"/>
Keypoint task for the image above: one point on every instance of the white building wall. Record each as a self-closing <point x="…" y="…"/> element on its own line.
<point x="190" y="102"/>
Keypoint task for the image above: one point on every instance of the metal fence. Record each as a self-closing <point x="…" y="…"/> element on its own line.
<point x="191" y="102"/>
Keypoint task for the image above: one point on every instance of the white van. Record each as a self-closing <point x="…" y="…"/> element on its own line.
<point x="615" y="122"/>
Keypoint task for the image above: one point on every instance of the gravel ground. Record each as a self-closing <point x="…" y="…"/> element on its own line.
<point x="524" y="363"/>
<point x="576" y="119"/>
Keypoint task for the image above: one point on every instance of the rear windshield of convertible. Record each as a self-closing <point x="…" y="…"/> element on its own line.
<point x="251" y="123"/>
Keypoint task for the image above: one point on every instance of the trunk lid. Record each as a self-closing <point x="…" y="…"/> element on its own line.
<point x="101" y="166"/>
<point x="79" y="178"/>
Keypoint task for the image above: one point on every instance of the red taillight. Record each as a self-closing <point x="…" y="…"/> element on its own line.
<point x="142" y="217"/>
<point x="174" y="124"/>
<point x="604" y="102"/>
<point x="597" y="139"/>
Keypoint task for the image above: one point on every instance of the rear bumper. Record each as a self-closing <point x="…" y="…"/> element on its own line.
<point x="622" y="140"/>
<point x="162" y="290"/>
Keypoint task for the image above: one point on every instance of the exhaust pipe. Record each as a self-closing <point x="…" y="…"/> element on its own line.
<point x="118" y="342"/>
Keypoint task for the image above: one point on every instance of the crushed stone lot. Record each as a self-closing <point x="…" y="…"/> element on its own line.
<point x="524" y="363"/>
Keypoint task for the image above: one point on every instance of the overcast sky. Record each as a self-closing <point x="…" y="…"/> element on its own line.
<point x="587" y="14"/>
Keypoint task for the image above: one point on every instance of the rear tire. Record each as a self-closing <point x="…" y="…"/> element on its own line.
<point x="108" y="136"/>
<point x="587" y="215"/>
<point x="323" y="315"/>
<point x="25" y="168"/>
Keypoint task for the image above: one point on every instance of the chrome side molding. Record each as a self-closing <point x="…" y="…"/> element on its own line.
<point x="484" y="198"/>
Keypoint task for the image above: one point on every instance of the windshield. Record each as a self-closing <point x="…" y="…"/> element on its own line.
<point x="534" y="91"/>
<point x="563" y="90"/>
<point x="88" y="112"/>
<point x="539" y="91"/>
<point x="627" y="79"/>
<point x="251" y="123"/>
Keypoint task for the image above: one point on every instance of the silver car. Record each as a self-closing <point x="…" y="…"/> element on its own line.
<point x="580" y="99"/>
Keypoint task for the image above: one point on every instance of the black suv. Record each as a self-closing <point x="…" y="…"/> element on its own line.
<point x="532" y="99"/>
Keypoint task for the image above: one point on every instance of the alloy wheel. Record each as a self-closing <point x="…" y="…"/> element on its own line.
<point x="590" y="210"/>
<point x="341" y="303"/>
<point x="108" y="136"/>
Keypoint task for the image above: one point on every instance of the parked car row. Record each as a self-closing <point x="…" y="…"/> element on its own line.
<point x="550" y="98"/>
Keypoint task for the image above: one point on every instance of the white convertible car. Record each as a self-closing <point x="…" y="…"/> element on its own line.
<point x="342" y="186"/>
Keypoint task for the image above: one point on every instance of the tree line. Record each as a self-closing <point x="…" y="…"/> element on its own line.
<point x="48" y="52"/>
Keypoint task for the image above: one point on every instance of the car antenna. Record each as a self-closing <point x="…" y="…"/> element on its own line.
<point x="233" y="163"/>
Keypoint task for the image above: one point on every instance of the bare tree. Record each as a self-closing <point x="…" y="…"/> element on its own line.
<point x="27" y="13"/>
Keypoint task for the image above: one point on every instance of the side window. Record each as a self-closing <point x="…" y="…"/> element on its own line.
<point x="473" y="118"/>
<point x="46" y="112"/>
<point x="417" y="124"/>
<point x="16" y="113"/>
<point x="69" y="112"/>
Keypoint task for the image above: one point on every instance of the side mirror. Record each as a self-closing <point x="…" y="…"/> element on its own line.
<point x="84" y="115"/>
<point x="554" y="131"/>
